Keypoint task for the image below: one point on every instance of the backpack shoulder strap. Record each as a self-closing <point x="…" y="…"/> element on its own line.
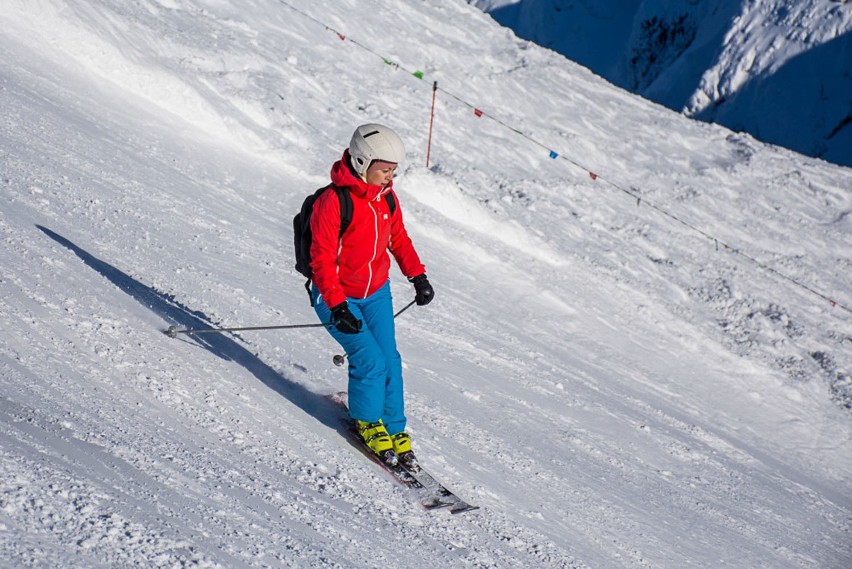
<point x="345" y="207"/>
<point x="389" y="197"/>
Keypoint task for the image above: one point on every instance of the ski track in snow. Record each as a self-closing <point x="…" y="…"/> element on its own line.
<point x="609" y="388"/>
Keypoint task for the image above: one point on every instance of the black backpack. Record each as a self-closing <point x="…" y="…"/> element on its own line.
<point x="302" y="235"/>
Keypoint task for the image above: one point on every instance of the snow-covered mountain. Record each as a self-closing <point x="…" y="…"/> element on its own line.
<point x="639" y="353"/>
<point x="780" y="70"/>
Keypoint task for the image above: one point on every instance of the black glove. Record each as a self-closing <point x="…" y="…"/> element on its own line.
<point x="423" y="291"/>
<point x="344" y="320"/>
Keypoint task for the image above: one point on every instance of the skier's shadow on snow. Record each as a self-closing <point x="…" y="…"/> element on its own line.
<point x="180" y="316"/>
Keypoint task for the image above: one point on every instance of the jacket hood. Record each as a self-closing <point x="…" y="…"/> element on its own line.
<point x="343" y="175"/>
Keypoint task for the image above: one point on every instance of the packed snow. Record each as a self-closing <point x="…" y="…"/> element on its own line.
<point x="650" y="366"/>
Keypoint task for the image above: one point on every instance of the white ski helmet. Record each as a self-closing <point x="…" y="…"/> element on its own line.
<point x="374" y="142"/>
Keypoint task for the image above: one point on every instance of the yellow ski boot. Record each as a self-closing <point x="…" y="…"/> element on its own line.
<point x="402" y="447"/>
<point x="376" y="437"/>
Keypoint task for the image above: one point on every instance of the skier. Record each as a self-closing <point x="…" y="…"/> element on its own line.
<point x="351" y="286"/>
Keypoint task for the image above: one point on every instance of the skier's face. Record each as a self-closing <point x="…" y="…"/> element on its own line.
<point x="380" y="173"/>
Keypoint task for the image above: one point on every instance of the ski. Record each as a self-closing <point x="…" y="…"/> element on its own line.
<point x="431" y="493"/>
<point x="399" y="475"/>
<point x="396" y="471"/>
<point x="427" y="481"/>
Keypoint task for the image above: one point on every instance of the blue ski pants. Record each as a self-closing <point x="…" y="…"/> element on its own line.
<point x="375" y="366"/>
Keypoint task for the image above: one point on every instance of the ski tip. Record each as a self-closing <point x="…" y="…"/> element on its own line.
<point x="436" y="504"/>
<point x="461" y="508"/>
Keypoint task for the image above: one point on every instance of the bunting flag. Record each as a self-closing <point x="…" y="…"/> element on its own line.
<point x="418" y="74"/>
<point x="477" y="112"/>
<point x="553" y="154"/>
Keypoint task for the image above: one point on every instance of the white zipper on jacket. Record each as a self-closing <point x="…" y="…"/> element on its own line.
<point x="375" y="244"/>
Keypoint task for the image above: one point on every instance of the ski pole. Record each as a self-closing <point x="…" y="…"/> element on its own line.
<point x="340" y="358"/>
<point x="172" y="332"/>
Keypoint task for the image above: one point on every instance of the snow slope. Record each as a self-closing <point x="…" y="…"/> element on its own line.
<point x="780" y="70"/>
<point x="613" y="388"/>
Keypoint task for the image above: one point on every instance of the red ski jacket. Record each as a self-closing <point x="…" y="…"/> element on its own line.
<point x="357" y="264"/>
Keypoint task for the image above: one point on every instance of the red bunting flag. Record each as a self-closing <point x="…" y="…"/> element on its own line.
<point x="593" y="175"/>
<point x="477" y="112"/>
